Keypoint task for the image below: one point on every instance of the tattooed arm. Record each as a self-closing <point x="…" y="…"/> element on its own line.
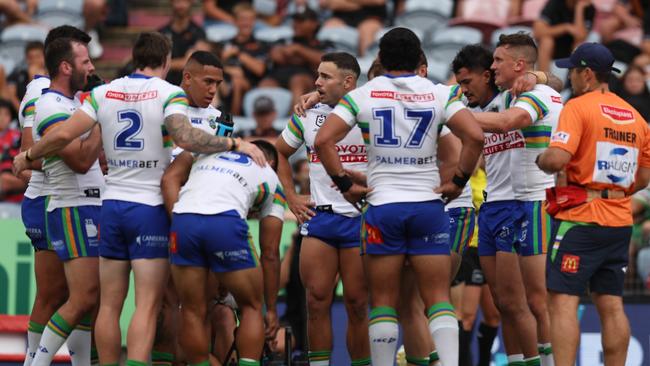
<point x="196" y="140"/>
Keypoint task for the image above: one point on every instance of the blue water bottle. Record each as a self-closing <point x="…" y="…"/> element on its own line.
<point x="225" y="125"/>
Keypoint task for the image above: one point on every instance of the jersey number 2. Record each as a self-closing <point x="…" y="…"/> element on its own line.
<point x="125" y="138"/>
<point x="387" y="137"/>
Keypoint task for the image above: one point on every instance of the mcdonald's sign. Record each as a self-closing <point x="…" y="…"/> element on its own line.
<point x="570" y="263"/>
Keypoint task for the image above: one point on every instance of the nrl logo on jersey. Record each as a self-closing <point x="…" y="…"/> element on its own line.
<point x="212" y="121"/>
<point x="320" y="119"/>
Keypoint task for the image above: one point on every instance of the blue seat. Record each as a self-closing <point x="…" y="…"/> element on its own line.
<point x="281" y="98"/>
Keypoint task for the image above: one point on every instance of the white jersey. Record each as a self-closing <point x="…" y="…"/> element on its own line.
<point x="497" y="150"/>
<point x="35" y="188"/>
<point x="231" y="181"/>
<point x="544" y="105"/>
<point x="203" y="118"/>
<point x="351" y="150"/>
<point x="465" y="198"/>
<point x="65" y="187"/>
<point x="132" y="111"/>
<point x="399" y="118"/>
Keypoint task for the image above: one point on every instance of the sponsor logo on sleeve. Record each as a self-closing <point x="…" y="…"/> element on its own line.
<point x="619" y="116"/>
<point x="556" y="99"/>
<point x="561" y="137"/>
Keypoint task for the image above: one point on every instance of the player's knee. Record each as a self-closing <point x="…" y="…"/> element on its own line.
<point x="468" y="319"/>
<point x="509" y="305"/>
<point x="318" y="301"/>
<point x="537" y="305"/>
<point x="357" y="308"/>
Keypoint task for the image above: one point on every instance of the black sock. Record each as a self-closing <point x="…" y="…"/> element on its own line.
<point x="486" y="335"/>
<point x="464" y="346"/>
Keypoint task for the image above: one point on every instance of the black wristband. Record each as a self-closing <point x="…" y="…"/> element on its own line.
<point x="343" y="183"/>
<point x="460" y="181"/>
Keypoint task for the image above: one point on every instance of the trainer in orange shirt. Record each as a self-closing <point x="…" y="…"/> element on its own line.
<point x="603" y="146"/>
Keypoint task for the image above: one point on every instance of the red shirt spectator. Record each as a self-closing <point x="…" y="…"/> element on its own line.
<point x="11" y="187"/>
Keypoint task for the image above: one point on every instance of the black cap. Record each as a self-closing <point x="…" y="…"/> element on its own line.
<point x="305" y="14"/>
<point x="592" y="55"/>
<point x="263" y="105"/>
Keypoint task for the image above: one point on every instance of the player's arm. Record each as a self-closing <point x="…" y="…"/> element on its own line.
<point x="527" y="82"/>
<point x="501" y="122"/>
<point x="553" y="160"/>
<point x="196" y="140"/>
<point x="174" y="178"/>
<point x="27" y="141"/>
<point x="299" y="205"/>
<point x="449" y="147"/>
<point x="334" y="130"/>
<point x="55" y="140"/>
<point x="80" y="155"/>
<point x="270" y="234"/>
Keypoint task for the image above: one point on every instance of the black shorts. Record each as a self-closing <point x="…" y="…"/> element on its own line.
<point x="587" y="254"/>
<point x="470" y="271"/>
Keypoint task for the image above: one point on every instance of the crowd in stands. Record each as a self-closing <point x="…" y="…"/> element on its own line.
<point x="276" y="45"/>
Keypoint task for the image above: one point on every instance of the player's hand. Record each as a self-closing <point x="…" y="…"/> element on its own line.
<point x="301" y="206"/>
<point x="20" y="163"/>
<point x="306" y="101"/>
<point x="356" y="194"/>
<point x="272" y="325"/>
<point x="523" y="83"/>
<point x="357" y="177"/>
<point x="449" y="191"/>
<point x="251" y="150"/>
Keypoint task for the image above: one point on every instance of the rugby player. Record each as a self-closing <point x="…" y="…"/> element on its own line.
<point x="209" y="233"/>
<point x="141" y="115"/>
<point x="528" y="120"/>
<point x="330" y="225"/>
<point x="399" y="114"/>
<point x="51" y="288"/>
<point x="74" y="183"/>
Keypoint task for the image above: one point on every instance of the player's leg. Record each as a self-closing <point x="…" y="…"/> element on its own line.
<point x="417" y="340"/>
<point x="190" y="282"/>
<point x="533" y="245"/>
<point x="247" y="287"/>
<point x="615" y="328"/>
<point x="150" y="276"/>
<point x="114" y="286"/>
<point x="565" y="329"/>
<point x="468" y="310"/>
<point x="487" y="330"/>
<point x="355" y="290"/>
<point x="165" y="342"/>
<point x="73" y="234"/>
<point x="318" y="269"/>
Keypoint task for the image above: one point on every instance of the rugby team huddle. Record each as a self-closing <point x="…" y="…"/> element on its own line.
<point x="390" y="210"/>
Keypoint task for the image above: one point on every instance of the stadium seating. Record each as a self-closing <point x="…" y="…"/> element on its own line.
<point x="59" y="12"/>
<point x="14" y="39"/>
<point x="447" y="42"/>
<point x="273" y="34"/>
<point x="220" y="32"/>
<point x="281" y="98"/>
<point x="344" y="38"/>
<point x="486" y="16"/>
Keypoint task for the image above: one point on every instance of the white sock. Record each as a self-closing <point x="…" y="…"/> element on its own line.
<point x="517" y="359"/>
<point x="383" y="332"/>
<point x="79" y="346"/>
<point x="443" y="326"/>
<point x="48" y="347"/>
<point x="34" y="333"/>
<point x="546" y="354"/>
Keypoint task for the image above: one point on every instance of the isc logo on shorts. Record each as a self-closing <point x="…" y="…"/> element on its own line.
<point x="570" y="263"/>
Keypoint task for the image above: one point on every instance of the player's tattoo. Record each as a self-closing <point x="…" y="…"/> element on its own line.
<point x="194" y="139"/>
<point x="554" y="82"/>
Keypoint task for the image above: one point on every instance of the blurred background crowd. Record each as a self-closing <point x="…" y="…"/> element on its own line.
<point x="271" y="48"/>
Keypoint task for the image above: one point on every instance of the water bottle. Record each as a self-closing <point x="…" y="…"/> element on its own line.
<point x="225" y="125"/>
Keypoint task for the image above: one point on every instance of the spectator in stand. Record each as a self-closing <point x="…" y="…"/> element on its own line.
<point x="368" y="16"/>
<point x="11" y="187"/>
<point x="244" y="57"/>
<point x="294" y="63"/>
<point x="220" y="11"/>
<point x="563" y="25"/>
<point x="184" y="34"/>
<point x="625" y="14"/>
<point x="632" y="87"/>
<point x="264" y="114"/>
<point x="21" y="76"/>
<point x="13" y="12"/>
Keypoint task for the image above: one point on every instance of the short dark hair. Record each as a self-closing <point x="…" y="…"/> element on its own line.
<point x="59" y="50"/>
<point x="343" y="61"/>
<point x="375" y="70"/>
<point x="522" y="43"/>
<point x="400" y="50"/>
<point x="476" y="58"/>
<point x="601" y="76"/>
<point x="206" y="58"/>
<point x="66" y="31"/>
<point x="4" y="103"/>
<point x="151" y="50"/>
<point x="269" y="151"/>
<point x="34" y="45"/>
<point x="423" y="60"/>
